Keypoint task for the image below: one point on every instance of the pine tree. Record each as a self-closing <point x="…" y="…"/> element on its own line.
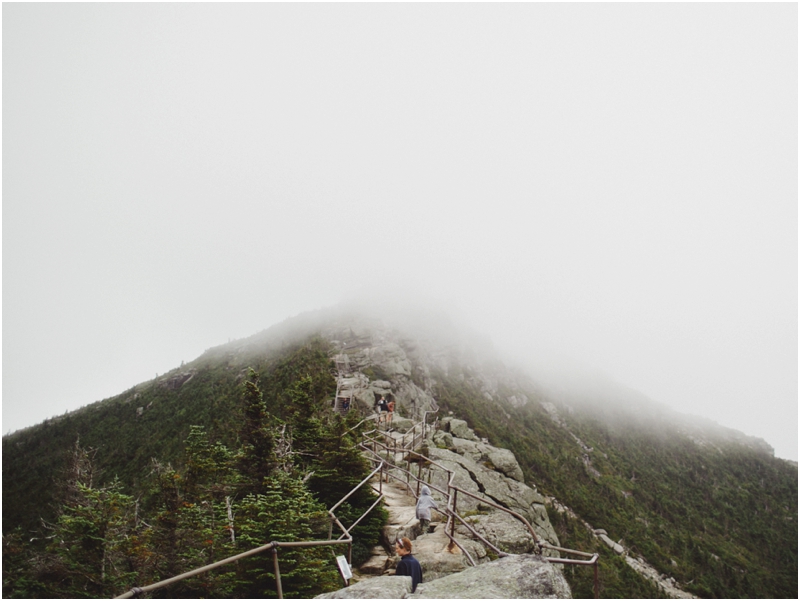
<point x="91" y="552"/>
<point x="287" y="511"/>
<point x="256" y="458"/>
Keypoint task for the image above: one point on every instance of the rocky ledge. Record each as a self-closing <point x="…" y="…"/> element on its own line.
<point x="512" y="577"/>
<point x="493" y="473"/>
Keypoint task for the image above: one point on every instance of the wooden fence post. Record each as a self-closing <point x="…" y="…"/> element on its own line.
<point x="455" y="502"/>
<point x="277" y="572"/>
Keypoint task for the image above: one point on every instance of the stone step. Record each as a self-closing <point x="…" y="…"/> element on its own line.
<point x="374" y="566"/>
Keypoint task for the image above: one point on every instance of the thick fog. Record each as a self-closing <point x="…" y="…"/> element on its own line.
<point x="601" y="187"/>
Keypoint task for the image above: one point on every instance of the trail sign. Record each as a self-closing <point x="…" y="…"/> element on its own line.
<point x="344" y="567"/>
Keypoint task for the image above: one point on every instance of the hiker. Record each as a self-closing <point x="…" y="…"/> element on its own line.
<point x="382" y="408"/>
<point x="424" y="506"/>
<point x="390" y="407"/>
<point x="408" y="566"/>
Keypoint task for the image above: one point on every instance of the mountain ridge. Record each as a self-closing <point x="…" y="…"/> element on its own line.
<point x="626" y="482"/>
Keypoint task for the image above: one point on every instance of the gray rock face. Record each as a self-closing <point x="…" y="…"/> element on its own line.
<point x="479" y="479"/>
<point x="383" y="387"/>
<point x="459" y="428"/>
<point x="386" y="587"/>
<point x="513" y="577"/>
<point x="616" y="546"/>
<point x="401" y="424"/>
<point x="502" y="460"/>
<point x="461" y="476"/>
<point x="502" y="530"/>
<point x="391" y="358"/>
<point x="443" y="439"/>
<point x="375" y="565"/>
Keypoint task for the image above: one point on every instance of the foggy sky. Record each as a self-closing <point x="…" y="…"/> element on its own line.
<point x="608" y="186"/>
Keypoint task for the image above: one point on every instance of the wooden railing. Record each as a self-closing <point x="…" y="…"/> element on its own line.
<point x="370" y="445"/>
<point x="386" y="469"/>
<point x="344" y="539"/>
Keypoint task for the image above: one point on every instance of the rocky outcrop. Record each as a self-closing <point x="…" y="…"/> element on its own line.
<point x="459" y="429"/>
<point x="513" y="577"/>
<point x="482" y="479"/>
<point x="389" y="370"/>
<point x="394" y="587"/>
<point x="502" y="530"/>
<point x="618" y="549"/>
<point x="176" y="381"/>
<point x="463" y="441"/>
<point x="666" y="583"/>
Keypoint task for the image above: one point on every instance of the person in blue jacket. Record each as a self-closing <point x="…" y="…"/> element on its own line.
<point x="408" y="566"/>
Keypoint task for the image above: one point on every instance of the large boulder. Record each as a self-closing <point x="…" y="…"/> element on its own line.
<point x="442" y="439"/>
<point x="390" y="358"/>
<point x="387" y="587"/>
<point x="461" y="476"/>
<point x="512" y="577"/>
<point x="412" y="400"/>
<point x="504" y="531"/>
<point x="501" y="460"/>
<point x="459" y="429"/>
<point x="479" y="479"/>
<point x="615" y="546"/>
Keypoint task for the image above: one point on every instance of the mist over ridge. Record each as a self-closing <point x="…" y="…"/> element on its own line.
<point x="571" y="383"/>
<point x="684" y="496"/>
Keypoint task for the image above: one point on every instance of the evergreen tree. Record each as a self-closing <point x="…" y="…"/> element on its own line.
<point x="92" y="550"/>
<point x="256" y="458"/>
<point x="305" y="420"/>
<point x="286" y="512"/>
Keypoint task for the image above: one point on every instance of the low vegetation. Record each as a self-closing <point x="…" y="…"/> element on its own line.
<point x="721" y="520"/>
<point x="138" y="487"/>
<point x="268" y="475"/>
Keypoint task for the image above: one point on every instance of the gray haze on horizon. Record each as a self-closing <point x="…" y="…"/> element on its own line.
<point x="608" y="186"/>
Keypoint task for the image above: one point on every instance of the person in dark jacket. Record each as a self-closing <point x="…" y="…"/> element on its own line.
<point x="408" y="566"/>
<point x="383" y="408"/>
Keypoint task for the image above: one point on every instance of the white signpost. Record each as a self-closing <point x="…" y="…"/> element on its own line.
<point x="344" y="568"/>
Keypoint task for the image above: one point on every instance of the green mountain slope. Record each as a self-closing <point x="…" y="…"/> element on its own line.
<point x="704" y="505"/>
<point x="719" y="517"/>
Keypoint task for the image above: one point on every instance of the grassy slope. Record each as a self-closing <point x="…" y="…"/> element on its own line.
<point x="686" y="503"/>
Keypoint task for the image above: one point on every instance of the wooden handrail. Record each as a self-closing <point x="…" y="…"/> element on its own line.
<point x="506" y="509"/>
<point x="345" y="539"/>
<point x="453" y="514"/>
<point x="274" y="544"/>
